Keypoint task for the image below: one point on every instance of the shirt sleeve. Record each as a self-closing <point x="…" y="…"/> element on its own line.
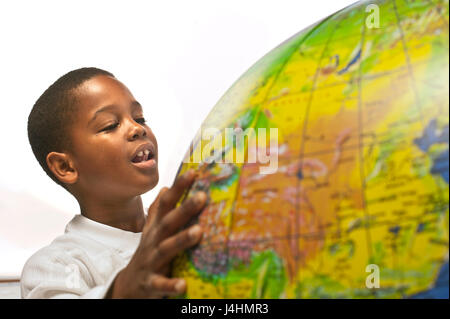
<point x="47" y="275"/>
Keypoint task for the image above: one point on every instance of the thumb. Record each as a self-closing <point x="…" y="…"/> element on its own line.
<point x="154" y="208"/>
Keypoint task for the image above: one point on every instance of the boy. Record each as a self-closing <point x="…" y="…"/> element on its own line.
<point x="89" y="135"/>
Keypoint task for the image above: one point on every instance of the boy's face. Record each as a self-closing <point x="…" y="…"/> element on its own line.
<point x="108" y="134"/>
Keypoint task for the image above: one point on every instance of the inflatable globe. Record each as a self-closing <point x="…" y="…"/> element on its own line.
<point x="334" y="179"/>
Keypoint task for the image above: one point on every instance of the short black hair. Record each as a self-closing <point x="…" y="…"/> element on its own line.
<point x="53" y="113"/>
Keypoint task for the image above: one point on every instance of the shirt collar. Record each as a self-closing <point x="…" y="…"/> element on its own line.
<point x="119" y="239"/>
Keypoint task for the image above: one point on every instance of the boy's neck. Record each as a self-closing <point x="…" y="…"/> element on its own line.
<point x="126" y="215"/>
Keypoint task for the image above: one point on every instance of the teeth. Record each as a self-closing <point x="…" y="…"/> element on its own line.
<point x="146" y="152"/>
<point x="140" y="153"/>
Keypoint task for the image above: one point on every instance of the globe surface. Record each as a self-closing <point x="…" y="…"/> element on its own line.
<point x="358" y="205"/>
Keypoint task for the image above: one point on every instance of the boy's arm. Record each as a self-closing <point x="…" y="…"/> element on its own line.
<point x="51" y="273"/>
<point x="146" y="275"/>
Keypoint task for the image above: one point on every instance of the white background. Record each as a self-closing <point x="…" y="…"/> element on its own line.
<point x="176" y="57"/>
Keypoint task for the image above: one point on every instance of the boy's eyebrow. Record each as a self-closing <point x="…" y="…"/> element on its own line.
<point x="134" y="105"/>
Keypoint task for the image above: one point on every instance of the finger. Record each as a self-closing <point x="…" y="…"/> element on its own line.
<point x="161" y="286"/>
<point x="165" y="271"/>
<point x="172" y="246"/>
<point x="155" y="203"/>
<point x="152" y="210"/>
<point x="170" y="198"/>
<point x="180" y="216"/>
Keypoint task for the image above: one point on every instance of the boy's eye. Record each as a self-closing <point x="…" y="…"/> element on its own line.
<point x="113" y="126"/>
<point x="110" y="127"/>
<point x="141" y="120"/>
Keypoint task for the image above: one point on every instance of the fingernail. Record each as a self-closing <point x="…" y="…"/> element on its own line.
<point x="199" y="198"/>
<point x="195" y="231"/>
<point x="180" y="285"/>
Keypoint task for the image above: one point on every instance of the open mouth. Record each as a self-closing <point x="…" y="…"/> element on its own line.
<point x="143" y="156"/>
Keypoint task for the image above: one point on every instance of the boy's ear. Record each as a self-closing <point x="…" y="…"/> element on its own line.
<point x="62" y="167"/>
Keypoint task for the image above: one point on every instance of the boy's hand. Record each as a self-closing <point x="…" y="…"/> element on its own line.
<point x="146" y="274"/>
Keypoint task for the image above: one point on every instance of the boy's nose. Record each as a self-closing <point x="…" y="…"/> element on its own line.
<point x="137" y="131"/>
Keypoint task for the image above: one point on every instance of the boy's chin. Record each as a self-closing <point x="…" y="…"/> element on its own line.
<point x="152" y="182"/>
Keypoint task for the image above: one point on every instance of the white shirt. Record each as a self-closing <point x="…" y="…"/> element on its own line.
<point x="82" y="263"/>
